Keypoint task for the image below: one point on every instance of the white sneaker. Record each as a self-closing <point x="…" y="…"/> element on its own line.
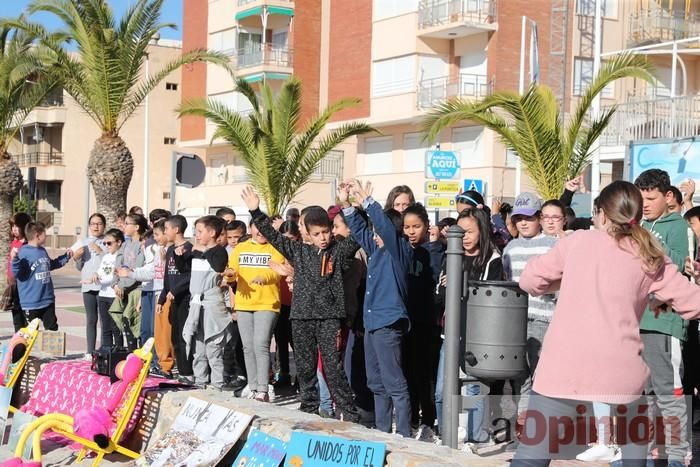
<point x="271" y="392"/>
<point x="598" y="452"/>
<point x="87" y="357"/>
<point x="247" y="393"/>
<point x="425" y="433"/>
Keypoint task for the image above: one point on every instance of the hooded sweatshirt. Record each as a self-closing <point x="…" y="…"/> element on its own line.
<point x="672" y="231"/>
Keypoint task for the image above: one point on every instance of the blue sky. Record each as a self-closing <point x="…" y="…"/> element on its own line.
<point x="172" y="13"/>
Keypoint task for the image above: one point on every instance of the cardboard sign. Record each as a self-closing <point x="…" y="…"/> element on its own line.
<point x="20" y="421"/>
<point x="261" y="450"/>
<point x="306" y="450"/>
<point x="201" y="434"/>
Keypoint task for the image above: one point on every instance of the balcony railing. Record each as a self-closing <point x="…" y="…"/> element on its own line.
<point x="439" y="12"/>
<point x="657" y="25"/>
<point x="436" y="90"/>
<point x="38" y="158"/>
<point x="659" y="117"/>
<point x="264" y="55"/>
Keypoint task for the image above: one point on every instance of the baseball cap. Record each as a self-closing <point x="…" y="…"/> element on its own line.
<point x="333" y="211"/>
<point x="526" y="204"/>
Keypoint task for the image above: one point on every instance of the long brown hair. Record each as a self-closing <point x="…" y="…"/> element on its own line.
<point x="622" y="203"/>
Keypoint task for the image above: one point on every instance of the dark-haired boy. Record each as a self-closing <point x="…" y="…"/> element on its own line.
<point x="318" y="304"/>
<point x="176" y="289"/>
<point x="234" y="232"/>
<point x="32" y="268"/>
<point x="206" y="329"/>
<point x="664" y="335"/>
<point x="385" y="315"/>
<point x="227" y="214"/>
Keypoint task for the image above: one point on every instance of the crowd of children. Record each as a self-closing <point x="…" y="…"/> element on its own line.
<point x="358" y="292"/>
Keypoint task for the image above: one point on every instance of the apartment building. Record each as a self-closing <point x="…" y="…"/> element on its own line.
<point x="401" y="57"/>
<point x="667" y="32"/>
<point x="56" y="139"/>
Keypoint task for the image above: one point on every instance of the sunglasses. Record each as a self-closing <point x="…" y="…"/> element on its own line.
<point x="110" y="243"/>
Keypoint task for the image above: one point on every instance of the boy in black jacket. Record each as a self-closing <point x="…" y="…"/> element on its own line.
<point x="176" y="286"/>
<point x="318" y="303"/>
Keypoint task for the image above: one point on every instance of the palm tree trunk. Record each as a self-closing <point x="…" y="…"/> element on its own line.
<point x="110" y="169"/>
<point x="10" y="183"/>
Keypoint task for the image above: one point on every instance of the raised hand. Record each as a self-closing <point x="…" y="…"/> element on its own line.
<point x="250" y="198"/>
<point x="362" y="192"/>
<point x="572" y="185"/>
<point x="343" y="193"/>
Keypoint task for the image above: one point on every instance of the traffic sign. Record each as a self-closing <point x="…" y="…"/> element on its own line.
<point x="441" y="187"/>
<point x="441" y="165"/>
<point x="439" y="202"/>
<point x="474" y="184"/>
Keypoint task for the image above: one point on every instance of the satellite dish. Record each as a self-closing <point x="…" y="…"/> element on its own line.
<point x="190" y="170"/>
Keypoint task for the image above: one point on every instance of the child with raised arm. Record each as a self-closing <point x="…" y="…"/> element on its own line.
<point x="385" y="314"/>
<point x="32" y="268"/>
<point x="318" y="303"/>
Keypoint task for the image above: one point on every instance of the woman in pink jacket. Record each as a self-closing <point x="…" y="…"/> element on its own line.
<point x="592" y="350"/>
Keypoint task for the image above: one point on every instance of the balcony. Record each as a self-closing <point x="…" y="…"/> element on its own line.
<point x="436" y="90"/>
<point x="656" y="25"/>
<point x="452" y="19"/>
<point x="653" y="118"/>
<point x="252" y="8"/>
<point x="38" y="159"/>
<point x="266" y="60"/>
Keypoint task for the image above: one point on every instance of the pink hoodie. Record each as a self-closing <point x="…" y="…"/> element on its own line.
<point x="592" y="350"/>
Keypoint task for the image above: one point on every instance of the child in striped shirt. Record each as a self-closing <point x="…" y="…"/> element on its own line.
<point x="531" y="242"/>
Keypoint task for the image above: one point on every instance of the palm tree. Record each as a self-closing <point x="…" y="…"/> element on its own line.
<point x="24" y="82"/>
<point x="104" y="78"/>
<point x="531" y="124"/>
<point x="279" y="156"/>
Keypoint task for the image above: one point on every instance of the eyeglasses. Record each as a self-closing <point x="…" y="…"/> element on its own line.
<point x="552" y="218"/>
<point x="96" y="224"/>
<point x="108" y="243"/>
<point x="130" y="223"/>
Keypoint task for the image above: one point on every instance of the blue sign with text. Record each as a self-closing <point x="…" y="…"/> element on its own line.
<point x="306" y="450"/>
<point x="441" y="165"/>
<point x="474" y="184"/>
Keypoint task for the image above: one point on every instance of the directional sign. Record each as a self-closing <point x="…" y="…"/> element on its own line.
<point x="440" y="202"/>
<point x="474" y="184"/>
<point x="441" y="165"/>
<point x="442" y="187"/>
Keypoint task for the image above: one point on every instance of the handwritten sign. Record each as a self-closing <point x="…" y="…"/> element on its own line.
<point x="306" y="450"/>
<point x="201" y="434"/>
<point x="261" y="450"/>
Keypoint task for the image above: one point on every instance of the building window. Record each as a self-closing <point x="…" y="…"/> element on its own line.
<point x="414" y="148"/>
<point x="169" y="140"/>
<point x="378" y="158"/>
<point x="583" y="75"/>
<point x="388" y="8"/>
<point x="587" y="8"/>
<point x="171" y="86"/>
<point x="394" y="76"/>
<point x="223" y="41"/>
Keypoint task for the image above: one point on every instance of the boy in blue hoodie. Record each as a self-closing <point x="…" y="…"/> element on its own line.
<point x="32" y="268"/>
<point x="385" y="315"/>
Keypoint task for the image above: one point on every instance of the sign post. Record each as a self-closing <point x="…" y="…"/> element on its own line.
<point x="440" y="168"/>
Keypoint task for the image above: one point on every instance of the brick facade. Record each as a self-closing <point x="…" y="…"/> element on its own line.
<point x="307" y="58"/>
<point x="350" y="58"/>
<point x="194" y="77"/>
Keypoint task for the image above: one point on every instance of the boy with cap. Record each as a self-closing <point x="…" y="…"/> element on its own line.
<point x="531" y="242"/>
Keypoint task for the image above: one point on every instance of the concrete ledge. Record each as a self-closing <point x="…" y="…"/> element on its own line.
<point x="280" y="422"/>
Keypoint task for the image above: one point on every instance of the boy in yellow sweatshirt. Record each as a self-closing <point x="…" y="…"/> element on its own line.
<point x="257" y="305"/>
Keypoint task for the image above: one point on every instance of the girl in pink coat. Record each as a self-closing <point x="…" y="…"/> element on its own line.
<point x="592" y="350"/>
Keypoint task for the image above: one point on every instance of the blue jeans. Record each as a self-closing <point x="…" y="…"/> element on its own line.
<point x="148" y="309"/>
<point x="324" y="393"/>
<point x="475" y="424"/>
<point x="385" y="377"/>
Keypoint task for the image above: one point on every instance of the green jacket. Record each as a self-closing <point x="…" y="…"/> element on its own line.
<point x="672" y="231"/>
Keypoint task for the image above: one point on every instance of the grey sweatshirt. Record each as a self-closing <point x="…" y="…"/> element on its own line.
<point x="132" y="258"/>
<point x="89" y="263"/>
